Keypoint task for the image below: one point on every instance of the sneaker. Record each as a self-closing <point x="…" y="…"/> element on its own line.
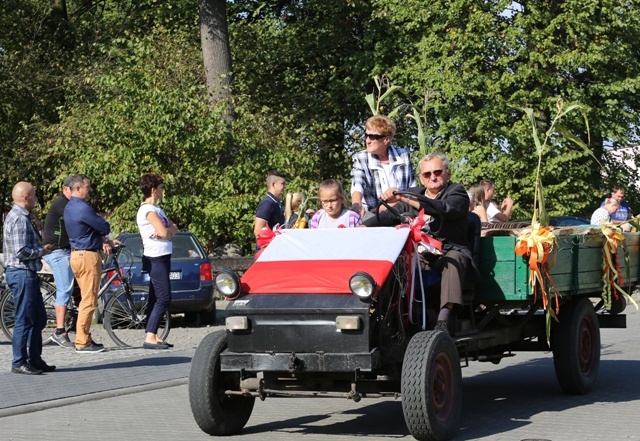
<point x="62" y="340"/>
<point x="91" y="348"/>
<point x="26" y="369"/>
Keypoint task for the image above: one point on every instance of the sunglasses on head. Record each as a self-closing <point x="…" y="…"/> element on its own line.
<point x="374" y="136"/>
<point x="436" y="173"/>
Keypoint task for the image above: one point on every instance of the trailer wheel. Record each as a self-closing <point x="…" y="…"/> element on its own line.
<point x="216" y="413"/>
<point x="575" y="342"/>
<point x="431" y="386"/>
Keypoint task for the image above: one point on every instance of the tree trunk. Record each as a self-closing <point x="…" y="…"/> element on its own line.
<point x="214" y="37"/>
<point x="59" y="10"/>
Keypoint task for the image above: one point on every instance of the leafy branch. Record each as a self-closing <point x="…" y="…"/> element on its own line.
<point x="420" y="115"/>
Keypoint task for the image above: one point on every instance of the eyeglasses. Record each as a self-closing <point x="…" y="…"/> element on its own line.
<point x="328" y="201"/>
<point x="374" y="136"/>
<point x="436" y="173"/>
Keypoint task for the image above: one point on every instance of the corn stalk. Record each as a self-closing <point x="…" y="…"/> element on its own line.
<point x="539" y="211"/>
<point x="385" y="91"/>
<point x="538" y="243"/>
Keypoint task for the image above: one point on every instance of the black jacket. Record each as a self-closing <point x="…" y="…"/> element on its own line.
<point x="451" y="205"/>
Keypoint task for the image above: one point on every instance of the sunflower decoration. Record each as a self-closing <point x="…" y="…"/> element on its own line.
<point x="612" y="280"/>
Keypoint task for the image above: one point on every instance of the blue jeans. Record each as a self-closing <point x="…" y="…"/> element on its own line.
<point x="159" y="289"/>
<point x="30" y="316"/>
<point x="58" y="260"/>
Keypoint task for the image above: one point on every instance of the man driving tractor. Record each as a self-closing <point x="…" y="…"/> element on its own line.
<point x="448" y="204"/>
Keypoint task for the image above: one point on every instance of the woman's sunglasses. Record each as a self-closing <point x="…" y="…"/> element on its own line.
<point x="374" y="136"/>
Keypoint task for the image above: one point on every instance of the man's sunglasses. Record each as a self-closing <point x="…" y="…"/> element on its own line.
<point x="374" y="136"/>
<point x="436" y="173"/>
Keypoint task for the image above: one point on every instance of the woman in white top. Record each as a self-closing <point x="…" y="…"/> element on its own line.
<point x="476" y="199"/>
<point x="156" y="230"/>
<point x="495" y="214"/>
<point x="603" y="214"/>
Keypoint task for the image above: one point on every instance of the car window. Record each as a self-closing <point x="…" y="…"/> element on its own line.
<point x="185" y="247"/>
<point x="133" y="246"/>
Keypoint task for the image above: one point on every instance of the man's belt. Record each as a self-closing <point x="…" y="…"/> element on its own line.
<point x="93" y="251"/>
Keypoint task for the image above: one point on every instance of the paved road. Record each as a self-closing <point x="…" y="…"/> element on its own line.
<point x="517" y="400"/>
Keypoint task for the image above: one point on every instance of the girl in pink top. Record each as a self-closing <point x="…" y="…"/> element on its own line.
<point x="333" y="213"/>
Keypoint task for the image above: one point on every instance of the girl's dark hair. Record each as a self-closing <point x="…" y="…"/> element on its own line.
<point x="149" y="182"/>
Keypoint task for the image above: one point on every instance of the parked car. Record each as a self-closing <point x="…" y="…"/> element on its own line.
<point x="568" y="221"/>
<point x="191" y="276"/>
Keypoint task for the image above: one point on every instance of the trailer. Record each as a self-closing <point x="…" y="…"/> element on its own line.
<point x="349" y="313"/>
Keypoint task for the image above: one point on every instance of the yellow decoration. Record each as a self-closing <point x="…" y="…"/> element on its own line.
<point x="538" y="243"/>
<point x="611" y="274"/>
<point x="301" y="222"/>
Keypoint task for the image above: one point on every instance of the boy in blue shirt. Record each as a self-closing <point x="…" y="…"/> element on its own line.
<point x="269" y="210"/>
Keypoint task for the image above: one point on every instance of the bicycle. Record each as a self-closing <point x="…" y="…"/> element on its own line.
<point x="124" y="311"/>
<point x="48" y="291"/>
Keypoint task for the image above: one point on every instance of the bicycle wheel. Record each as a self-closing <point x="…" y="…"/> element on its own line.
<point x="125" y="317"/>
<point x="8" y="312"/>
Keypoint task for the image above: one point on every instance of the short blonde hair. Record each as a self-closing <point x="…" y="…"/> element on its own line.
<point x="383" y="124"/>
<point x="613" y="202"/>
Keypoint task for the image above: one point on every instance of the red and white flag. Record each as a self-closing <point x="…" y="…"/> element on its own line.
<point x="321" y="261"/>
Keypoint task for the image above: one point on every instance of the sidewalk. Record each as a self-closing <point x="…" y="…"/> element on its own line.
<point x="94" y="380"/>
<point x="115" y="372"/>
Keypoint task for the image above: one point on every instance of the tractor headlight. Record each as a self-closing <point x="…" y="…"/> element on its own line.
<point x="362" y="285"/>
<point x="227" y="283"/>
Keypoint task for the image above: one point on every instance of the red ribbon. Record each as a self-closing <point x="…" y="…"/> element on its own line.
<point x="415" y="237"/>
<point x="265" y="237"/>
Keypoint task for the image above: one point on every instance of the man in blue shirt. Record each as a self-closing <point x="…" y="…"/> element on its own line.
<point x="623" y="213"/>
<point x="87" y="236"/>
<point x="22" y="253"/>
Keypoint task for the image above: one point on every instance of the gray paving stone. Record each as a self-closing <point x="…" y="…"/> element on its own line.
<point x="516" y="400"/>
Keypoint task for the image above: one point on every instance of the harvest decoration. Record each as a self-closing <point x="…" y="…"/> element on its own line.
<point x="538" y="243"/>
<point x="301" y="221"/>
<point x="611" y="273"/>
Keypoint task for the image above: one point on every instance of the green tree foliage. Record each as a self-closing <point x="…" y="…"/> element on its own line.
<point x="116" y="89"/>
<point x="309" y="63"/>
<point x="32" y="59"/>
<point x="481" y="56"/>
<point x="148" y="112"/>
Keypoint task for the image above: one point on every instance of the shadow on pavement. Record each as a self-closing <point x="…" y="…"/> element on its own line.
<point x="143" y="362"/>
<point x="494" y="403"/>
<point x="367" y="422"/>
